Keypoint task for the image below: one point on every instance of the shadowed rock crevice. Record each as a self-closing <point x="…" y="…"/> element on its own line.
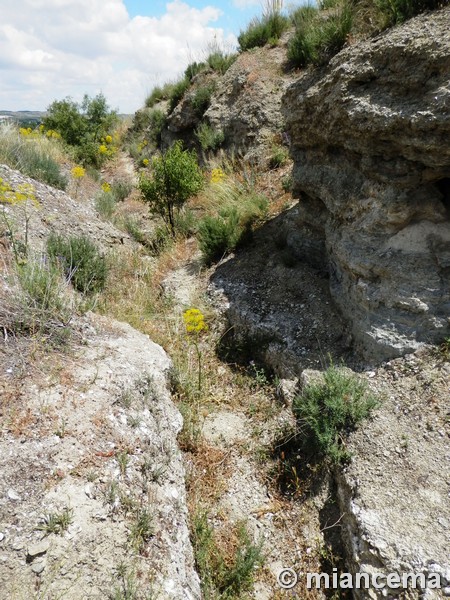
<point x="370" y="144"/>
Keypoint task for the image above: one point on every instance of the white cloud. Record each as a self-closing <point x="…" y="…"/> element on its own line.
<point x="51" y="49"/>
<point x="247" y="3"/>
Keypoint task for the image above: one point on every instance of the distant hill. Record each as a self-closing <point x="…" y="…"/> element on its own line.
<point x="25" y="118"/>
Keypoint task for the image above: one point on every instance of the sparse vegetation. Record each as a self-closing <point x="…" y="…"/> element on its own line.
<point x="36" y="155"/>
<point x="208" y="137"/>
<point x="81" y="261"/>
<point x="141" y="528"/>
<point x="175" y="178"/>
<point x="326" y="412"/>
<point x="239" y="208"/>
<point x="263" y="30"/>
<point x="318" y="36"/>
<point x="223" y="577"/>
<point x="56" y="522"/>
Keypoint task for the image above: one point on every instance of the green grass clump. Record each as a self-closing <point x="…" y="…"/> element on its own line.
<point x="208" y="137"/>
<point x="105" y="204"/>
<point x="224" y="575"/>
<point x="263" y="29"/>
<point x="156" y="123"/>
<point x="177" y="92"/>
<point x="35" y="156"/>
<point x="41" y="305"/>
<point x="56" y="522"/>
<point x="230" y="225"/>
<point x="279" y="157"/>
<point x="194" y="69"/>
<point x="398" y="11"/>
<point x="80" y="260"/>
<point x="121" y="189"/>
<point x="317" y="36"/>
<point x="141" y="529"/>
<point x="220" y="61"/>
<point x="201" y="99"/>
<point x="159" y="94"/>
<point x="326" y="412"/>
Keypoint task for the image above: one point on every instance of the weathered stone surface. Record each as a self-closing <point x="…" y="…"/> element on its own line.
<point x="58" y="212"/>
<point x="245" y="104"/>
<point x="116" y="374"/>
<point x="370" y="145"/>
<point x="394" y="495"/>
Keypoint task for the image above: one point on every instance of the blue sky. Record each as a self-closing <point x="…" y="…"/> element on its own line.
<point x="53" y="49"/>
<point x="233" y="18"/>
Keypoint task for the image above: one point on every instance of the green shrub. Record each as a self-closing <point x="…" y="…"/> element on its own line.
<point x="156" y="123"/>
<point x="208" y="137"/>
<point x="397" y="11"/>
<point x="40" y="166"/>
<point x="158" y="94"/>
<point x="326" y="412"/>
<point x="121" y="189"/>
<point x="34" y="157"/>
<point x="80" y="260"/>
<point x="223" y="577"/>
<point x="318" y="37"/>
<point x="220" y="61"/>
<point x="82" y="126"/>
<point x="105" y="204"/>
<point x="201" y="99"/>
<point x="194" y="69"/>
<point x="279" y="157"/>
<point x="41" y="284"/>
<point x="177" y="92"/>
<point x="175" y="178"/>
<point x="262" y="29"/>
<point x="219" y="234"/>
<point x="41" y="305"/>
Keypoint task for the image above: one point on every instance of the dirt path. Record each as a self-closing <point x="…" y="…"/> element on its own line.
<point x="233" y="475"/>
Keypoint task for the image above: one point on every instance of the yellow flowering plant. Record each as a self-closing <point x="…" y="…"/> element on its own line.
<point x="20" y="198"/>
<point x="106" y="187"/>
<point x="78" y="173"/>
<point x="217" y="175"/>
<point x="194" y="322"/>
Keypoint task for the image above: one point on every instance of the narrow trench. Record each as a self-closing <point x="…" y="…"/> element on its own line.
<point x="243" y="469"/>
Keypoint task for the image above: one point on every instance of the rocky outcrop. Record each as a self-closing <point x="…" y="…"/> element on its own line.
<point x="393" y="496"/>
<point x="369" y="138"/>
<point x="92" y="436"/>
<point x="58" y="212"/>
<point x="245" y="104"/>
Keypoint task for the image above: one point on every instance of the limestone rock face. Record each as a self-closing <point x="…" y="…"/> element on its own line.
<point x="369" y="138"/>
<point x="245" y="104"/>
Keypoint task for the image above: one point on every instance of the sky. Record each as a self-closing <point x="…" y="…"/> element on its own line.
<point x="53" y="49"/>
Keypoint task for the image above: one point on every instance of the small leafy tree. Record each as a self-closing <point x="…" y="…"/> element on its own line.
<point x="175" y="178"/>
<point x="83" y="126"/>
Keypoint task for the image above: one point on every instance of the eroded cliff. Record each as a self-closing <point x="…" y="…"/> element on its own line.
<point x="369" y="138"/>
